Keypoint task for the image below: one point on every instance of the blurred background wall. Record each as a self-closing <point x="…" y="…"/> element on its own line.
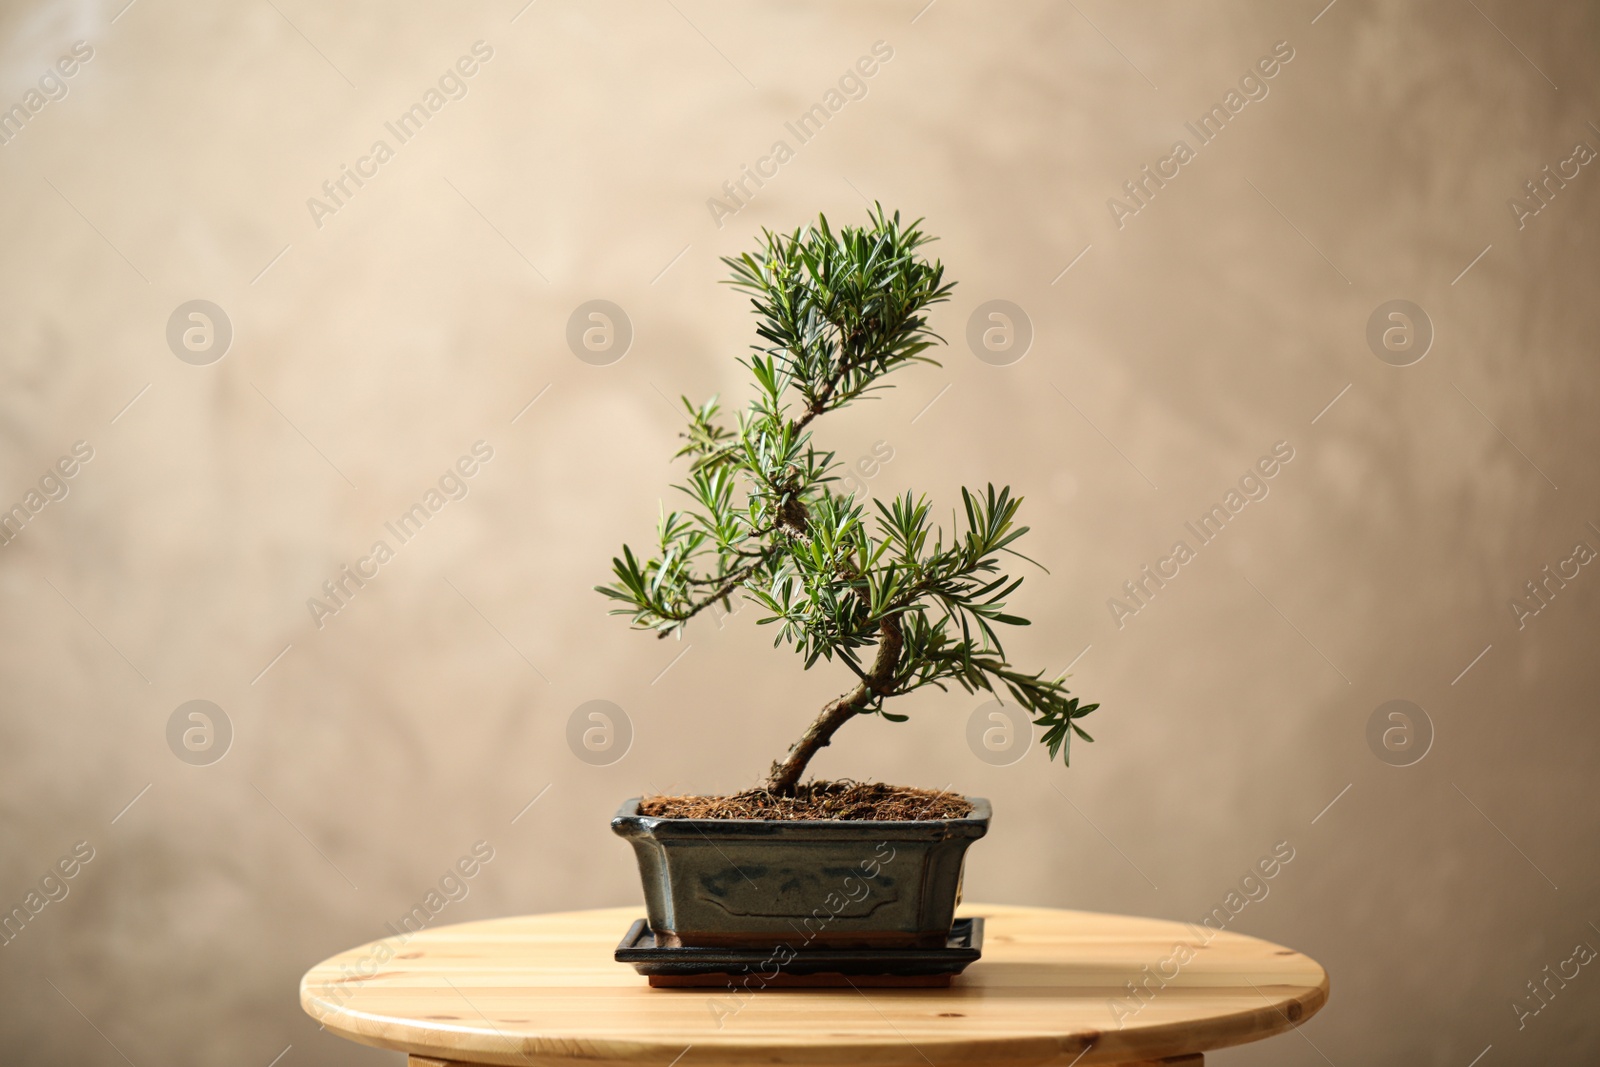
<point x="358" y="341"/>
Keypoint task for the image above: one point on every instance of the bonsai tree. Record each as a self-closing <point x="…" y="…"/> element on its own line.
<point x="900" y="603"/>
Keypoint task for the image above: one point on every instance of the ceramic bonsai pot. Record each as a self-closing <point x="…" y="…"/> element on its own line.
<point x="804" y="883"/>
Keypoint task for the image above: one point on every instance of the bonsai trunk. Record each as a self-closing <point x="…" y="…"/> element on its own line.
<point x="785" y="776"/>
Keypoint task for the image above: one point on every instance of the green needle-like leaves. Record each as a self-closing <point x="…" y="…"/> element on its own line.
<point x="839" y="311"/>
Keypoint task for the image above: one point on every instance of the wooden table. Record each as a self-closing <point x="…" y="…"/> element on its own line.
<point x="1053" y="988"/>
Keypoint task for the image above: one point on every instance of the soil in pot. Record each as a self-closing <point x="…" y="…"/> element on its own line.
<point x="843" y="800"/>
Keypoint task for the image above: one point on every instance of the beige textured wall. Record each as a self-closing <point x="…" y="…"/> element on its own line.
<point x="431" y="307"/>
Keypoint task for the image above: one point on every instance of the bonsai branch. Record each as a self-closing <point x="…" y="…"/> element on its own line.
<point x="874" y="685"/>
<point x="729" y="583"/>
<point x="819" y="405"/>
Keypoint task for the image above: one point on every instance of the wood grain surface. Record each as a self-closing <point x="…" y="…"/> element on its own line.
<point x="1053" y="988"/>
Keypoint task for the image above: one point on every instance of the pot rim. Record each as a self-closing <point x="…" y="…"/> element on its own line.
<point x="628" y="818"/>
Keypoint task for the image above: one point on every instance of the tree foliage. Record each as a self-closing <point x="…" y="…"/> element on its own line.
<point x="838" y="312"/>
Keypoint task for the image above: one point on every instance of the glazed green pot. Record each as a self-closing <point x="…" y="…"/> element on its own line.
<point x="803" y="883"/>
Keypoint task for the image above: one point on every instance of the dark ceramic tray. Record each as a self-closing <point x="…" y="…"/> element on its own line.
<point x="757" y="968"/>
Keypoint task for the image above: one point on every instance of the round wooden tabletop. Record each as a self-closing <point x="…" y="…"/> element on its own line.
<point x="1053" y="987"/>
